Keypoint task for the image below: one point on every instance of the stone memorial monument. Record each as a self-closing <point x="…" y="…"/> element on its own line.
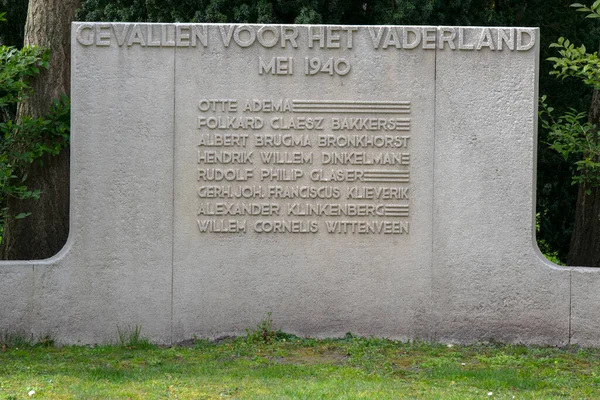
<point x="372" y="179"/>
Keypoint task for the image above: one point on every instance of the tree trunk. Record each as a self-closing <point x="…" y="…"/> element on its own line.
<point x="45" y="231"/>
<point x="585" y="242"/>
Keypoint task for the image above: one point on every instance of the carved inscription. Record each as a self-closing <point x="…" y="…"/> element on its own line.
<point x="303" y="166"/>
<point x="279" y="164"/>
<point x="314" y="37"/>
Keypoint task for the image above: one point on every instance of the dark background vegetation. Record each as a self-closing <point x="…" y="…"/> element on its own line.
<point x="556" y="196"/>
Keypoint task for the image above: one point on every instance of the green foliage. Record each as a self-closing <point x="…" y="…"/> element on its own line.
<point x="593" y="11"/>
<point x="567" y="147"/>
<point x="571" y="135"/>
<point x="29" y="139"/>
<point x="574" y="137"/>
<point x="17" y="67"/>
<point x="576" y="62"/>
<point x="264" y="332"/>
<point x="285" y="11"/>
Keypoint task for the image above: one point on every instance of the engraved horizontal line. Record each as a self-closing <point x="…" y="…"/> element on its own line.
<point x="352" y="106"/>
<point x="383" y="171"/>
<point x="392" y="171"/>
<point x="396" y="215"/>
<point x="391" y="180"/>
<point x="350" y="102"/>
<point x="344" y="111"/>
<point x="396" y="178"/>
<point x="396" y="208"/>
<point x="389" y="175"/>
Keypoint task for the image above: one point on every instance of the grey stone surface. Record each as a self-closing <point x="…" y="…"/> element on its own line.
<point x="17" y="291"/>
<point x="585" y="313"/>
<point x="488" y="277"/>
<point x="316" y="283"/>
<point x="116" y="267"/>
<point x="461" y="265"/>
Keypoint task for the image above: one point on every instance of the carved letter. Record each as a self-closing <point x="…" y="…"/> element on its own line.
<point x="405" y="41"/>
<point x="86" y="41"/>
<point x="319" y="35"/>
<point x="485" y="40"/>
<point x="200" y="32"/>
<point x="442" y="38"/>
<point x="376" y="36"/>
<point x="528" y="32"/>
<point x="504" y="38"/>
<point x="238" y="39"/>
<point x="461" y="40"/>
<point x="121" y="35"/>
<point x="429" y="41"/>
<point x="265" y="41"/>
<point x="289" y="36"/>
<point x="102" y="36"/>
<point x="136" y="36"/>
<point x="226" y="33"/>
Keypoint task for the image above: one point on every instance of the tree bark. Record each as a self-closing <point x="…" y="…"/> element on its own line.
<point x="45" y="231"/>
<point x="585" y="241"/>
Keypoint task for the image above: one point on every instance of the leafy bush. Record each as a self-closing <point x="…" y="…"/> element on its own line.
<point x="17" y="67"/>
<point x="27" y="140"/>
<point x="571" y="134"/>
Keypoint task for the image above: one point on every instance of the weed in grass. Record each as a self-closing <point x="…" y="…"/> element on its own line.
<point x="46" y="341"/>
<point x="201" y="344"/>
<point x="263" y="333"/>
<point x="9" y="339"/>
<point x="131" y="337"/>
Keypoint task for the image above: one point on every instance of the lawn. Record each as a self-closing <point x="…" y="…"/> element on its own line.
<point x="279" y="366"/>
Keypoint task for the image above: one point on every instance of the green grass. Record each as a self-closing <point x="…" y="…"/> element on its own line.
<point x="290" y="367"/>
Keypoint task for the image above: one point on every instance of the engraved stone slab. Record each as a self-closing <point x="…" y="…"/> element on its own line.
<point x="298" y="163"/>
<point x="372" y="179"/>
